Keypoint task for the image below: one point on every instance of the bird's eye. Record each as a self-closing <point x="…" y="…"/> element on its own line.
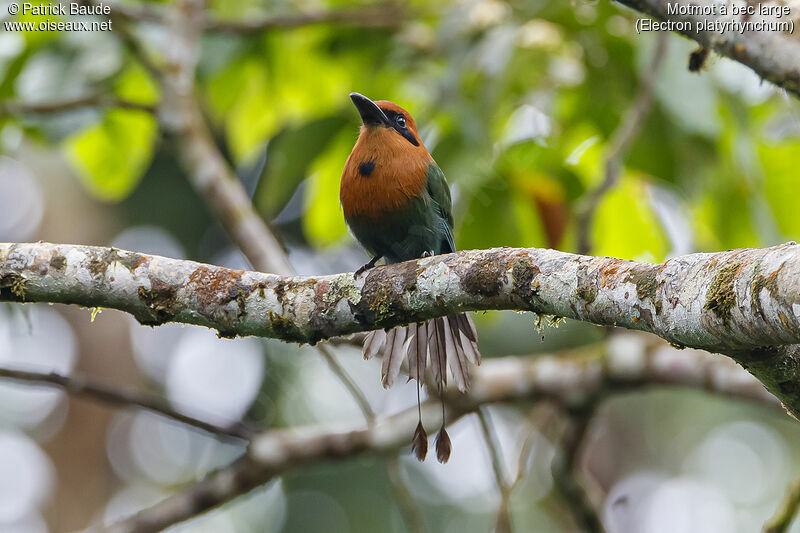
<point x="401" y="121"/>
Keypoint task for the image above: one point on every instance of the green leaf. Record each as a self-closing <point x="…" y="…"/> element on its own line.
<point x="136" y="85"/>
<point x="625" y="225"/>
<point x="725" y="200"/>
<point x="39" y="35"/>
<point x="498" y="215"/>
<point x="690" y="100"/>
<point x="9" y="72"/>
<point x="289" y="157"/>
<point x="782" y="184"/>
<point x="582" y="150"/>
<point x="111" y="157"/>
<point x="323" y="221"/>
<point x="257" y="96"/>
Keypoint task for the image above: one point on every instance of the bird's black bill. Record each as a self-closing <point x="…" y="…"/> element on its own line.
<point x="371" y="114"/>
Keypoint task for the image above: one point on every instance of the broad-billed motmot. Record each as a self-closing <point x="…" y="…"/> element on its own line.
<point x="397" y="204"/>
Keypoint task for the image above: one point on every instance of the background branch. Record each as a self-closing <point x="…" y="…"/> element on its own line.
<point x="786" y="513"/>
<point x="583" y="375"/>
<point x="98" y="100"/>
<point x="114" y="396"/>
<point x="566" y="467"/>
<point x="382" y="15"/>
<point x="774" y="56"/>
<point x="503" y="521"/>
<point x="403" y="496"/>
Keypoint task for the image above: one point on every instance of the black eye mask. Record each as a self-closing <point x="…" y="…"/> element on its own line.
<point x="402" y="130"/>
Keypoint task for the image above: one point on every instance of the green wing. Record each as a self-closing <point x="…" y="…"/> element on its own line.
<point x="440" y="194"/>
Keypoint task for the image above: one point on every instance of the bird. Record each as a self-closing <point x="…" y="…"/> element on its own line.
<point x="396" y="203"/>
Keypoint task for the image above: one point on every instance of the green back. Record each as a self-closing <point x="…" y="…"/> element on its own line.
<point x="440" y="194"/>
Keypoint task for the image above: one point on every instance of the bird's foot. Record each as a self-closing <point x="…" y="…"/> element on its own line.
<point x="361" y="271"/>
<point x="428" y="253"/>
<point x="367" y="266"/>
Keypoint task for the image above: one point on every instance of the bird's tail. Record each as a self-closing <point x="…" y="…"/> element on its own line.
<point x="445" y="342"/>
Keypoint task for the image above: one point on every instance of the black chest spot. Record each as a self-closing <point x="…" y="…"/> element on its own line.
<point x="366" y="168"/>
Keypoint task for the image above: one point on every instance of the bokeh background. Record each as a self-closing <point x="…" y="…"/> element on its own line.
<point x="517" y="102"/>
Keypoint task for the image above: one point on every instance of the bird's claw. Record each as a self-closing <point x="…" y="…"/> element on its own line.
<point x="366" y="267"/>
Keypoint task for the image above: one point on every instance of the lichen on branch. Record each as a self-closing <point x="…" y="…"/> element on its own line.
<point x="743" y="303"/>
<point x="740" y="299"/>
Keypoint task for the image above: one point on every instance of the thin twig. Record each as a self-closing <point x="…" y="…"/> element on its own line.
<point x="565" y="468"/>
<point x="13" y="107"/>
<point x="503" y="521"/>
<point x="348" y="382"/>
<point x="276" y="452"/>
<point x="137" y="49"/>
<point x="787" y="511"/>
<point x="619" y="144"/>
<point x="403" y="496"/>
<point x="141" y="12"/>
<point x="239" y="477"/>
<point x="114" y="396"/>
<point x="527" y="447"/>
<point x="383" y="15"/>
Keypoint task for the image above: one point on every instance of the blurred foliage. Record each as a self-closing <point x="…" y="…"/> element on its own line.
<point x="111" y="156"/>
<point x="515" y="100"/>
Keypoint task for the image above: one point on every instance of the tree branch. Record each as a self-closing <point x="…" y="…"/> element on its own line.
<point x="773" y="55"/>
<point x="383" y="15"/>
<point x="743" y="303"/>
<point x="403" y="496"/>
<point x="114" y="396"/>
<point x="503" y="520"/>
<point x="207" y="170"/>
<point x="13" y="107"/>
<point x="566" y="467"/>
<point x="564" y="380"/>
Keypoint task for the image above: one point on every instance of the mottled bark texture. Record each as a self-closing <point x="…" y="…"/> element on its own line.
<point x="773" y="55"/>
<point x="743" y="303"/>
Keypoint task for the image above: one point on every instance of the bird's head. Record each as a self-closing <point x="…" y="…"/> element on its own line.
<point x="382" y="117"/>
<point x="388" y="164"/>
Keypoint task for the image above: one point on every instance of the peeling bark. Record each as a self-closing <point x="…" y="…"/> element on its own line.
<point x="743" y="303"/>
